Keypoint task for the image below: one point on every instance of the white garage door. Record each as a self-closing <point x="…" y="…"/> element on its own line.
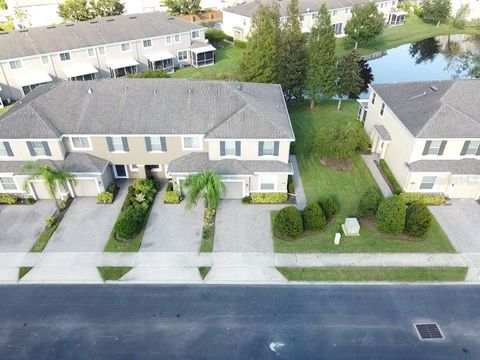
<point x="462" y="189"/>
<point x="233" y="189"/>
<point x="86" y="187"/>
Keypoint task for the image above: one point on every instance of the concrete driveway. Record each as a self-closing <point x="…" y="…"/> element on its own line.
<point x="461" y="223"/>
<point x="86" y="225"/>
<point x="243" y="228"/>
<point x="173" y="228"/>
<point x="21" y="224"/>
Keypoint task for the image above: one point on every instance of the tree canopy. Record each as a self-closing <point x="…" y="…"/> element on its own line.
<point x="82" y="10"/>
<point x="436" y="10"/>
<point x="206" y="184"/>
<point x="349" y="80"/>
<point x="183" y="7"/>
<point x="366" y="23"/>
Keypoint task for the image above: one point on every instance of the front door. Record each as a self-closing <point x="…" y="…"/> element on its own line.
<point x="120" y="171"/>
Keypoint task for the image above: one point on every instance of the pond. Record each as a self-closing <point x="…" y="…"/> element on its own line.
<point x="439" y="58"/>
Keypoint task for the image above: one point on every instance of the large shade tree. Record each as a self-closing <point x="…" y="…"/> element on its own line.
<point x="436" y="10"/>
<point x="366" y="23"/>
<point x="349" y="80"/>
<point x="207" y="185"/>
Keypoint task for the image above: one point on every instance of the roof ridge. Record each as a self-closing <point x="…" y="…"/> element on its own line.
<point x="44" y="118"/>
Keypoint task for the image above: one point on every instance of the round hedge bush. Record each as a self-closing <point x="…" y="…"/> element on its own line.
<point x="391" y="215"/>
<point x="329" y="207"/>
<point x="129" y="223"/>
<point x="313" y="217"/>
<point x="418" y="220"/>
<point x="369" y="202"/>
<point x="288" y="222"/>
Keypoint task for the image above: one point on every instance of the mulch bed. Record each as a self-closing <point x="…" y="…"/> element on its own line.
<point x="339" y="165"/>
<point x="370" y="225"/>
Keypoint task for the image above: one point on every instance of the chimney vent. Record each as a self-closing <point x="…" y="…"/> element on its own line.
<point x="90" y="90"/>
<point x="433" y="88"/>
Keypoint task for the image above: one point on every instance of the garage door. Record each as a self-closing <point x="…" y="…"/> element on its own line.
<point x="86" y="187"/>
<point x="464" y="187"/>
<point x="233" y="189"/>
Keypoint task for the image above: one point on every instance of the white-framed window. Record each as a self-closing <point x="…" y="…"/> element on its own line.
<point x="91" y="52"/>
<point x="156" y="143"/>
<point x="117" y="143"/>
<point x="65" y="56"/>
<point x="101" y="51"/>
<point x="229" y="148"/>
<point x="3" y="149"/>
<point x="15" y="64"/>
<point x="374" y="96"/>
<point x="7" y="183"/>
<point x="192" y="143"/>
<point x="176" y="38"/>
<point x="38" y="148"/>
<point x="195" y="34"/>
<point x="268" y="182"/>
<point x="182" y="55"/>
<point x="269" y="148"/>
<point x="80" y="143"/>
<point x="125" y="46"/>
<point x="428" y="182"/>
<point x="134" y="167"/>
<point x="168" y="39"/>
<point x="473" y="148"/>
<point x="45" y="59"/>
<point x="147" y="43"/>
<point x="382" y="109"/>
<point x="434" y="148"/>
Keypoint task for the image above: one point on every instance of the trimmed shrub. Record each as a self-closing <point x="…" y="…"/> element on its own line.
<point x="425" y="199"/>
<point x="369" y="202"/>
<point x="268" y="198"/>
<point x="145" y="186"/>
<point x="247" y="200"/>
<point x="129" y="223"/>
<point x="240" y="44"/>
<point x="171" y="197"/>
<point x="215" y="36"/>
<point x="391" y="215"/>
<point x="329" y="206"/>
<point x="62" y="205"/>
<point x="290" y="185"/>
<point x="30" y="201"/>
<point x="169" y="187"/>
<point x="8" y="199"/>
<point x="394" y="185"/>
<point x="105" y="197"/>
<point x="50" y="221"/>
<point x="288" y="222"/>
<point x="418" y="220"/>
<point x="313" y="217"/>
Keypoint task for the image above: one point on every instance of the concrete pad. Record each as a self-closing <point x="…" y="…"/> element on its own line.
<point x="118" y="259"/>
<point x="163" y="274"/>
<point x="70" y="259"/>
<point x="245" y="275"/>
<point x="243" y="228"/>
<point x="8" y="259"/>
<point x="22" y="224"/>
<point x="173" y="228"/>
<point x="243" y="259"/>
<point x="166" y="259"/>
<point x="62" y="275"/>
<point x="9" y="274"/>
<point x="461" y="223"/>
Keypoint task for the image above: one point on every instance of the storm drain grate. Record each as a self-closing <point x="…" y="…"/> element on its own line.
<point x="429" y="331"/>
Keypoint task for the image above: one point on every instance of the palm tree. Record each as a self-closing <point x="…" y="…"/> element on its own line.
<point x="207" y="184"/>
<point x="53" y="178"/>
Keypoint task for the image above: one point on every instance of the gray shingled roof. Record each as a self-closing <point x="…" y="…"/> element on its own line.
<point x="101" y="31"/>
<point x="218" y="109"/>
<point x="456" y="167"/>
<point x="196" y="162"/>
<point x="248" y="8"/>
<point x="451" y="111"/>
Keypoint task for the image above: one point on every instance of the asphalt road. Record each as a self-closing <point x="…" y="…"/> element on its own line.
<point x="237" y="322"/>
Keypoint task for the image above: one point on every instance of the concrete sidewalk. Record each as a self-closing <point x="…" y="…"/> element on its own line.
<point x="382" y="184"/>
<point x="297" y="179"/>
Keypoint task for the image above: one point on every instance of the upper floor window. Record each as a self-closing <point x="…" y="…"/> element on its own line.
<point x="182" y="55"/>
<point x="268" y="148"/>
<point x="374" y="96"/>
<point x="101" y="51"/>
<point x="195" y="34"/>
<point x="91" y="52"/>
<point x="39" y="148"/>
<point x="176" y="38"/>
<point x="147" y="43"/>
<point x="45" y="60"/>
<point x="382" y="109"/>
<point x="117" y="144"/>
<point x="7" y="183"/>
<point x="80" y="143"/>
<point x="65" y="56"/>
<point x="230" y="148"/>
<point x="434" y="147"/>
<point x="5" y="149"/>
<point x="15" y="64"/>
<point x="168" y="39"/>
<point x="125" y="46"/>
<point x="192" y="143"/>
<point x="428" y="182"/>
<point x="156" y="143"/>
<point x="471" y="148"/>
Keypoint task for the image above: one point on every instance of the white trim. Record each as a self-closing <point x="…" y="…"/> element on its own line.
<point x="64" y="52"/>
<point x="114" y="166"/>
<point x="89" y="148"/>
<point x="133" y="169"/>
<point x="147" y="47"/>
<point x="129" y="46"/>
<point x="188" y="55"/>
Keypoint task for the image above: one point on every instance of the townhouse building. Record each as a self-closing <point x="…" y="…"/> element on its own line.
<point x="428" y="133"/>
<point x="103" y="48"/>
<point x="108" y="129"/>
<point x="237" y="19"/>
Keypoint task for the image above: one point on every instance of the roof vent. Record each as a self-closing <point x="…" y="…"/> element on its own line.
<point x="23" y="30"/>
<point x="132" y="17"/>
<point x="238" y="86"/>
<point x="90" y="90"/>
<point x="171" y="18"/>
<point x="433" y="88"/>
<point x="154" y="91"/>
<point x="69" y="24"/>
<point x="110" y="20"/>
<point x="190" y="91"/>
<point x="93" y="22"/>
<point x="51" y="27"/>
<point x="308" y="10"/>
<point x="126" y="88"/>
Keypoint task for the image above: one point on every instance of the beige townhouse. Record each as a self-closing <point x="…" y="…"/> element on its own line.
<point x="237" y="19"/>
<point x="110" y="129"/>
<point x="109" y="47"/>
<point x="428" y="133"/>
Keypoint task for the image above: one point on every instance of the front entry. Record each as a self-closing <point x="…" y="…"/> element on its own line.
<point x="120" y="171"/>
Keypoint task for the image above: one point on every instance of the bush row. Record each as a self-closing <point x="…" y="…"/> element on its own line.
<point x="394" y="185"/>
<point x="425" y="199"/>
<point x="268" y="198"/>
<point x="171" y="196"/>
<point x="8" y="199"/>
<point x="108" y="197"/>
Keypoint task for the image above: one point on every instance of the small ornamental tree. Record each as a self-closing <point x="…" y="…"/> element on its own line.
<point x="436" y="10"/>
<point x="418" y="220"/>
<point x="369" y="202"/>
<point x="349" y="79"/>
<point x="215" y="36"/>
<point x="288" y="223"/>
<point x="313" y="217"/>
<point x="366" y="23"/>
<point x="329" y="207"/>
<point x="391" y="215"/>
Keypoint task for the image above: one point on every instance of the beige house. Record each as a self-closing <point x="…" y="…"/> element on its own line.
<point x="103" y="48"/>
<point x="164" y="128"/>
<point x="428" y="133"/>
<point x="237" y="19"/>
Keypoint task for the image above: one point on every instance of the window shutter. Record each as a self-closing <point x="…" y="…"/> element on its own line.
<point x="163" y="143"/>
<point x="110" y="144"/>
<point x="238" y="148"/>
<point x="222" y="148"/>
<point x="47" y="148"/>
<point x="478" y="151"/>
<point x="442" y="148"/>
<point x="466" y="144"/>
<point x="260" y="148"/>
<point x="148" y="143"/>
<point x="30" y="148"/>
<point x="125" y="143"/>
<point x="276" y="146"/>
<point x="426" y="148"/>
<point x="6" y="144"/>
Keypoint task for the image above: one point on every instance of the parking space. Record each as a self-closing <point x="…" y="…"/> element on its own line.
<point x="22" y="224"/>
<point x="461" y="223"/>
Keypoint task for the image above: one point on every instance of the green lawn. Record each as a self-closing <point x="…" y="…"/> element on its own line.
<point x="395" y="274"/>
<point x="113" y="272"/>
<point x="45" y="236"/>
<point x="204" y="271"/>
<point x="346" y="187"/>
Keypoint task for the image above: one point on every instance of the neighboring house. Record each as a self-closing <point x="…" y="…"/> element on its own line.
<point x="107" y="47"/>
<point x="237" y="19"/>
<point x="428" y="133"/>
<point x="165" y="128"/>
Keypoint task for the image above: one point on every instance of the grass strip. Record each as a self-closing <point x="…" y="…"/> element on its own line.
<point x="204" y="271"/>
<point x="44" y="237"/>
<point x="113" y="272"/>
<point x="208" y="230"/>
<point x="23" y="271"/>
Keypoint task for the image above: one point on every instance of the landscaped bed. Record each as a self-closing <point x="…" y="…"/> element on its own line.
<point x="113" y="272"/>
<point x="208" y="230"/>
<point x="394" y="274"/>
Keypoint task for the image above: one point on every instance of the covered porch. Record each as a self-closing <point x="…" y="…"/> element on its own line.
<point x="380" y="139"/>
<point x="161" y="61"/>
<point x="28" y="82"/>
<point x="80" y="72"/>
<point x="202" y="54"/>
<point x="396" y="18"/>
<point x="362" y="110"/>
<point x="123" y="67"/>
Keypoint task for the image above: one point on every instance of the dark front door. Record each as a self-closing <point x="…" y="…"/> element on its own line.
<point x="120" y="171"/>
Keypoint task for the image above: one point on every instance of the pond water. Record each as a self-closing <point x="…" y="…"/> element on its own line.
<point x="438" y="58"/>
